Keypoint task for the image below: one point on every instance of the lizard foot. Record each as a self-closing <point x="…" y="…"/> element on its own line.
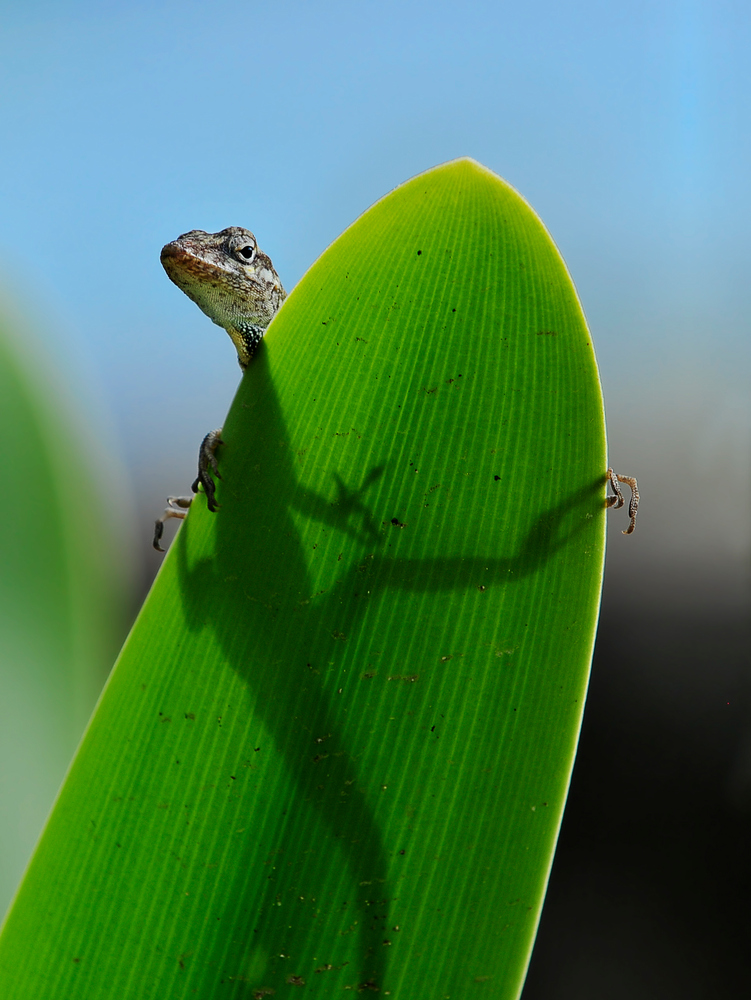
<point x="617" y="500"/>
<point x="176" y="507"/>
<point x="207" y="464"/>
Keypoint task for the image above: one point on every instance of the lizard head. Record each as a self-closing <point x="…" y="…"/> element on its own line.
<point x="229" y="279"/>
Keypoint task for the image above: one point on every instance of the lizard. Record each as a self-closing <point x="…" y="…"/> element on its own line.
<point x="235" y="284"/>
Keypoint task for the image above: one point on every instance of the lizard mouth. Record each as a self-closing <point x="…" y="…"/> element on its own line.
<point x="173" y="255"/>
<point x="183" y="267"/>
<point x="171" y="250"/>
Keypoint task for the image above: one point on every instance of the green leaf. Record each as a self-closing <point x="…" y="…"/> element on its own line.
<point x="336" y="747"/>
<point x="59" y="590"/>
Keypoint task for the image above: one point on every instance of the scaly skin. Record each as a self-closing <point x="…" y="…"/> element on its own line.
<point x="236" y="285"/>
<point x="229" y="279"/>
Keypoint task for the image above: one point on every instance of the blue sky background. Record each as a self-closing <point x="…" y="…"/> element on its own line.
<point x="625" y="126"/>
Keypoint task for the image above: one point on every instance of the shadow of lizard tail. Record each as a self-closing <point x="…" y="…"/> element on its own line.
<point x="308" y="806"/>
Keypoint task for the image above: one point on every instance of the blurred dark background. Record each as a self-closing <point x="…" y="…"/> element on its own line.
<point x="627" y="129"/>
<point x="650" y="884"/>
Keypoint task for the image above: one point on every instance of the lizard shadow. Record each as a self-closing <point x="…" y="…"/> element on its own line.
<point x="284" y="642"/>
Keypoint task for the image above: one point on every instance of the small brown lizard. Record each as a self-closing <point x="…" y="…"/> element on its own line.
<point x="235" y="284"/>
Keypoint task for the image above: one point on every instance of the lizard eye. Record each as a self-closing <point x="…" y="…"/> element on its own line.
<point x="247" y="253"/>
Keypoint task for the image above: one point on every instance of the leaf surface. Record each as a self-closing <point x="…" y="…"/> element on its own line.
<point x="335" y="751"/>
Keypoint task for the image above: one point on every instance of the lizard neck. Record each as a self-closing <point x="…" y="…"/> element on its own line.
<point x="246" y="337"/>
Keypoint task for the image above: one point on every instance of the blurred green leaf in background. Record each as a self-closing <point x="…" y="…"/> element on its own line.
<point x="335" y="751"/>
<point x="63" y="586"/>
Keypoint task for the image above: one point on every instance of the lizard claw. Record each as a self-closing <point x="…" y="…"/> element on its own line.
<point x="207" y="464"/>
<point x="176" y="507"/>
<point x="617" y="500"/>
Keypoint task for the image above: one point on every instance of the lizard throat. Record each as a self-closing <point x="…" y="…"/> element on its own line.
<point x="246" y="337"/>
